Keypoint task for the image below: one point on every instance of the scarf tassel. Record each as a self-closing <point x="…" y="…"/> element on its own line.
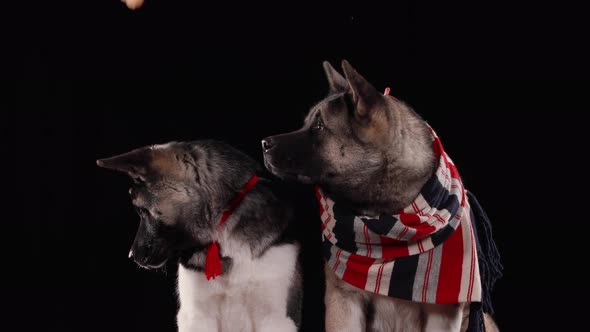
<point x="212" y="261"/>
<point x="490" y="266"/>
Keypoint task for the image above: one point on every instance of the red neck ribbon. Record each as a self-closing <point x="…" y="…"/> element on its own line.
<point x="213" y="261"/>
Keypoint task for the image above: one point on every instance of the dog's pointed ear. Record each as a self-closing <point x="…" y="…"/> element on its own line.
<point x="136" y="163"/>
<point x="364" y="95"/>
<point x="336" y="81"/>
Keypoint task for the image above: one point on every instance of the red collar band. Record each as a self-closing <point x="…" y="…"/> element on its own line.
<point x="213" y="261"/>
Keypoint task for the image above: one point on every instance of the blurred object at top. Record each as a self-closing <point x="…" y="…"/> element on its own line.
<point x="133" y="4"/>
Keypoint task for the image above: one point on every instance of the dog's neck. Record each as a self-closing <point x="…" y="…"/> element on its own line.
<point x="409" y="162"/>
<point x="249" y="232"/>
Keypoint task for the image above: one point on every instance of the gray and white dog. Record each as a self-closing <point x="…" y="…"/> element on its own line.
<point x="373" y="154"/>
<point x="180" y="191"/>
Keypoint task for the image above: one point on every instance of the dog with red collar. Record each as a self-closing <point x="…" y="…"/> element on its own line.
<point x="406" y="246"/>
<point x="202" y="204"/>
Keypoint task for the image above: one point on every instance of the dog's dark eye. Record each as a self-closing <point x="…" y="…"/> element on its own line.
<point x="319" y="125"/>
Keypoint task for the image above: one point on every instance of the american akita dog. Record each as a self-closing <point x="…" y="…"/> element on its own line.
<point x="202" y="203"/>
<point x="400" y="232"/>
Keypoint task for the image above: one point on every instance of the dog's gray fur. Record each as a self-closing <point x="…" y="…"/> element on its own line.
<point x="373" y="153"/>
<point x="181" y="190"/>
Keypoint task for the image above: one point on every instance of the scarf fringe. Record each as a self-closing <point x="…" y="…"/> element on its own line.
<point x="490" y="266"/>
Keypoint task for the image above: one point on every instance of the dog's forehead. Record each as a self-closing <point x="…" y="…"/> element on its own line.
<point x="164" y="159"/>
<point x="167" y="160"/>
<point x="321" y="105"/>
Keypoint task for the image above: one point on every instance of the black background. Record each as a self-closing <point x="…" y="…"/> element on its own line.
<point x="500" y="83"/>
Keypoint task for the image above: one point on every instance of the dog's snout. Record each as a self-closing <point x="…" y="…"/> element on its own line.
<point x="140" y="259"/>
<point x="266" y="145"/>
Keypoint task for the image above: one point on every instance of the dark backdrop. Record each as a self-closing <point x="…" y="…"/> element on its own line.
<point x="498" y="82"/>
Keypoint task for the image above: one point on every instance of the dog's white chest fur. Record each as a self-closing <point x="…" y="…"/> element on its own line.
<point x="251" y="297"/>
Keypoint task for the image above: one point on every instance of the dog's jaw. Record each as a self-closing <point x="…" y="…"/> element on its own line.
<point x="287" y="176"/>
<point x="152" y="267"/>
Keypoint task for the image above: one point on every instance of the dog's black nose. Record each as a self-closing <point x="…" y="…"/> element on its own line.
<point x="266" y="145"/>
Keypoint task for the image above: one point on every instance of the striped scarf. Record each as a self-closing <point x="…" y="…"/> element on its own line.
<point x="425" y="253"/>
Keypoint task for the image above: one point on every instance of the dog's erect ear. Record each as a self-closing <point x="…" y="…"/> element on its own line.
<point x="136" y="163"/>
<point x="336" y="81"/>
<point x="364" y="95"/>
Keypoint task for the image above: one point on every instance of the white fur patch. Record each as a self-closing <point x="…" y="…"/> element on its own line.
<point x="251" y="297"/>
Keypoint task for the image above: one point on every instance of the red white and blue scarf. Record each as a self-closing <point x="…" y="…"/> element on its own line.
<point x="425" y="253"/>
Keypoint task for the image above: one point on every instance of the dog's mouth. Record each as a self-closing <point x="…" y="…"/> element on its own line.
<point x="286" y="175"/>
<point x="151" y="266"/>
